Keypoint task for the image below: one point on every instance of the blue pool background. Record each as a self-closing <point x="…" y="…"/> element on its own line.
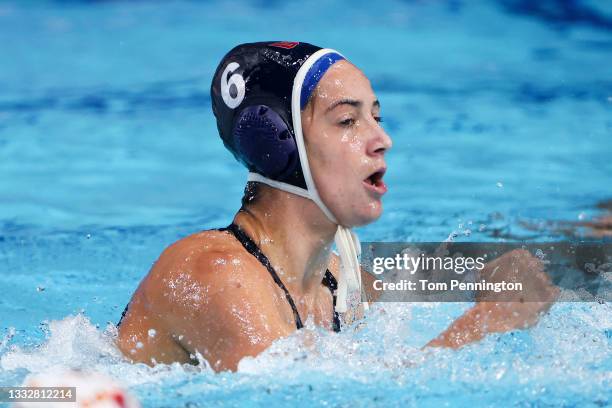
<point x="501" y="115"/>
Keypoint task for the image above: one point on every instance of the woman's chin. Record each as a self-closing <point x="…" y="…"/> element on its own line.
<point x="368" y="214"/>
<point x="375" y="211"/>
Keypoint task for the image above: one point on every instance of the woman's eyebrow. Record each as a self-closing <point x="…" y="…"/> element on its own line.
<point x="352" y="102"/>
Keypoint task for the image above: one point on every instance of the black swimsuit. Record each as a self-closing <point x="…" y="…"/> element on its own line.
<point x="328" y="280"/>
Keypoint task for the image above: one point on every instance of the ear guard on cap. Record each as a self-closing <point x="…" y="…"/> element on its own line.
<point x="265" y="141"/>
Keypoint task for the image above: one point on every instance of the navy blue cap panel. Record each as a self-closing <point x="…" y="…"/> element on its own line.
<point x="255" y="81"/>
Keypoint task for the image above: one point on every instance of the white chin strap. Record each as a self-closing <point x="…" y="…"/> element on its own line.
<point x="347" y="243"/>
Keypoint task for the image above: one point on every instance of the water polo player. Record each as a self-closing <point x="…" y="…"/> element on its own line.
<point x="305" y="122"/>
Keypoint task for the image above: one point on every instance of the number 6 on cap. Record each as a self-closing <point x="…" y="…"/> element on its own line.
<point x="237" y="81"/>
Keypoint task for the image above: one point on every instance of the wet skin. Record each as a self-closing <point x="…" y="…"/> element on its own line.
<point x="206" y="294"/>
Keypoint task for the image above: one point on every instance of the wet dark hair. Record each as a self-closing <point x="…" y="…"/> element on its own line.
<point x="251" y="193"/>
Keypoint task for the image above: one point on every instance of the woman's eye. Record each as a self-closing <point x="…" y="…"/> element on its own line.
<point x="347" y="122"/>
<point x="379" y="119"/>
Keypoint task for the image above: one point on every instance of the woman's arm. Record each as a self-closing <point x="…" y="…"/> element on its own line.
<point x="231" y="319"/>
<point x="489" y="316"/>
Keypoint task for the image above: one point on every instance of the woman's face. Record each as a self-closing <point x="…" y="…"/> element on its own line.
<point x="346" y="145"/>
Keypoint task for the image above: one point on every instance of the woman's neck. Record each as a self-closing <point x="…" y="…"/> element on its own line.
<point x="293" y="233"/>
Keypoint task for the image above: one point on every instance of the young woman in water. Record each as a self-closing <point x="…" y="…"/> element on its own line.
<point x="305" y="122"/>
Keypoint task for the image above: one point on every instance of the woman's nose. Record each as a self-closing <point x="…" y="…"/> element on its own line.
<point x="379" y="142"/>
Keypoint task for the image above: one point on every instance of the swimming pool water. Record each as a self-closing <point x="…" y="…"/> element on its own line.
<point x="501" y="117"/>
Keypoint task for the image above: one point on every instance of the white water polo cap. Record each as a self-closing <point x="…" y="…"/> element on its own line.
<point x="258" y="93"/>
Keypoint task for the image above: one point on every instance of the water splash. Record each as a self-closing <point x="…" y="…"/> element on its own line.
<point x="75" y="343"/>
<point x="382" y="353"/>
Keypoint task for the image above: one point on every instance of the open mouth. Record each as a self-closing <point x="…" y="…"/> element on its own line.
<point x="375" y="182"/>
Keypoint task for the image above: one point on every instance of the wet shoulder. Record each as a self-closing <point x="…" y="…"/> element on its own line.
<point x="194" y="268"/>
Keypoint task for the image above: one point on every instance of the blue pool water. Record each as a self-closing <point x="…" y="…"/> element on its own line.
<point x="501" y="115"/>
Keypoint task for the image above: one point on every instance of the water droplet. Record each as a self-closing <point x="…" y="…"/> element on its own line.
<point x="139" y="345"/>
<point x="499" y="184"/>
<point x="152" y="333"/>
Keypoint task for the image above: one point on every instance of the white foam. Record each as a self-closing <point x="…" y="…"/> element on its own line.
<point x="566" y="344"/>
<point x="75" y="343"/>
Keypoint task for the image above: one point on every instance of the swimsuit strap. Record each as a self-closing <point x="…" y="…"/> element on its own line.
<point x="123" y="314"/>
<point x="330" y="282"/>
<point x="254" y="250"/>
